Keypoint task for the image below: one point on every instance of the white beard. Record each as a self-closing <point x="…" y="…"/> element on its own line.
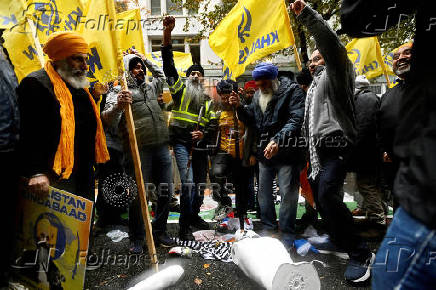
<point x="401" y="72"/>
<point x="195" y="91"/>
<point x="69" y="75"/>
<point x="264" y="99"/>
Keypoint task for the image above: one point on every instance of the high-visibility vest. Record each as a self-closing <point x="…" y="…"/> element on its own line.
<point x="182" y="113"/>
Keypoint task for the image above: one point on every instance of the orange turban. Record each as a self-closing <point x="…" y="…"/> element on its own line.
<point x="61" y="45"/>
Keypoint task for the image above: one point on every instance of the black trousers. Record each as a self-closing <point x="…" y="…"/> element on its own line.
<point x="231" y="176"/>
<point x="108" y="214"/>
<point x="329" y="201"/>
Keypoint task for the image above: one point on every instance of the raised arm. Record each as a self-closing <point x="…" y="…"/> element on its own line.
<point x="327" y="42"/>
<point x="169" y="67"/>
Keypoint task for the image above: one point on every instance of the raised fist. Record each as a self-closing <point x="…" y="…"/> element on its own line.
<point x="168" y="23"/>
<point x="298" y="6"/>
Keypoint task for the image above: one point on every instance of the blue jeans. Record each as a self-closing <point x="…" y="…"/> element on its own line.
<point x="157" y="174"/>
<point x="288" y="179"/>
<point x="192" y="193"/>
<point x="406" y="258"/>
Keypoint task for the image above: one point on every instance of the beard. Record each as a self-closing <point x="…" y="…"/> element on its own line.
<point x="75" y="77"/>
<point x="266" y="95"/>
<point x="401" y="72"/>
<point x="264" y="98"/>
<point x="195" y="91"/>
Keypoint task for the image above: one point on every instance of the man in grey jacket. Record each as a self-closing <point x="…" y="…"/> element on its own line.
<point x="330" y="131"/>
<point x="152" y="138"/>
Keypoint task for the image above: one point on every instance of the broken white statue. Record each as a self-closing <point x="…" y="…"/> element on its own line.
<point x="160" y="280"/>
<point x="266" y="261"/>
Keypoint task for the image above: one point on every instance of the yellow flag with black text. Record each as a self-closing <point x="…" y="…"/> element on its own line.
<point x="252" y="30"/>
<point x="47" y="17"/>
<point x="365" y="54"/>
<point x="131" y="34"/>
<point x="103" y="58"/>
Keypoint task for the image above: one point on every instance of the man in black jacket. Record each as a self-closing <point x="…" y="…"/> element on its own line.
<point x="413" y="228"/>
<point x="388" y="117"/>
<point x="277" y="114"/>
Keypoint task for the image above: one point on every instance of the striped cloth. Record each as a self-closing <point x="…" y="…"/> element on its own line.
<point x="214" y="250"/>
<point x="308" y="130"/>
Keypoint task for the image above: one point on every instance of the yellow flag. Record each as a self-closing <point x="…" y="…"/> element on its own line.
<point x="365" y="54"/>
<point x="22" y="53"/>
<point x="182" y="61"/>
<point x="131" y="34"/>
<point x="47" y="17"/>
<point x="252" y="30"/>
<point x="98" y="28"/>
<point x="10" y="12"/>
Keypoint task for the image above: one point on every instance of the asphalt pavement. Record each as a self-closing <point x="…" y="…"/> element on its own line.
<point x="110" y="266"/>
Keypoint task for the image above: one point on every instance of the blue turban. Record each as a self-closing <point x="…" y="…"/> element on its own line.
<point x="265" y="70"/>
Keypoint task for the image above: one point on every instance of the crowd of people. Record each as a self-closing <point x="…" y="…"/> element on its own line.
<point x="54" y="131"/>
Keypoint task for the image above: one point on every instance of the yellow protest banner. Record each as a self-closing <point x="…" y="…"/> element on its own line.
<point x="252" y="30"/>
<point x="52" y="243"/>
<point x="365" y="55"/>
<point x="182" y="61"/>
<point x="47" y="17"/>
<point x="131" y="34"/>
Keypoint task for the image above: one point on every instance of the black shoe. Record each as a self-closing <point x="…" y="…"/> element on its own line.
<point x="357" y="272"/>
<point x="174" y="205"/>
<point x="185" y="234"/>
<point x="164" y="240"/>
<point x="199" y="223"/>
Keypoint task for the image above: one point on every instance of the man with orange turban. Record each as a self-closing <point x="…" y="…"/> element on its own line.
<point x="61" y="135"/>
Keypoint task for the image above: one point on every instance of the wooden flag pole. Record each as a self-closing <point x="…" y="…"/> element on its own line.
<point x="297" y="55"/>
<point x="140" y="182"/>
<point x="134" y="148"/>
<point x="39" y="51"/>
<point x="382" y="63"/>
<point x="297" y="58"/>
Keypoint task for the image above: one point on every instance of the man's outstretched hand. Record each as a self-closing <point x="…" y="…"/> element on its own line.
<point x="298" y="6"/>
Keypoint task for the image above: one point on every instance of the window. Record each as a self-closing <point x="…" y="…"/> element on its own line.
<point x="179" y="45"/>
<point x="155" y="7"/>
<point x="174" y="7"/>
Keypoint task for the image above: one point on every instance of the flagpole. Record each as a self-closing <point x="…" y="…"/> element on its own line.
<point x="296" y="53"/>
<point x="382" y="63"/>
<point x="297" y="58"/>
<point x="134" y="147"/>
<point x="38" y="48"/>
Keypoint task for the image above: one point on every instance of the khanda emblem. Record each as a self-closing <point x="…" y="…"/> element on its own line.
<point x="354" y="56"/>
<point x="244" y="28"/>
<point x="45" y="15"/>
